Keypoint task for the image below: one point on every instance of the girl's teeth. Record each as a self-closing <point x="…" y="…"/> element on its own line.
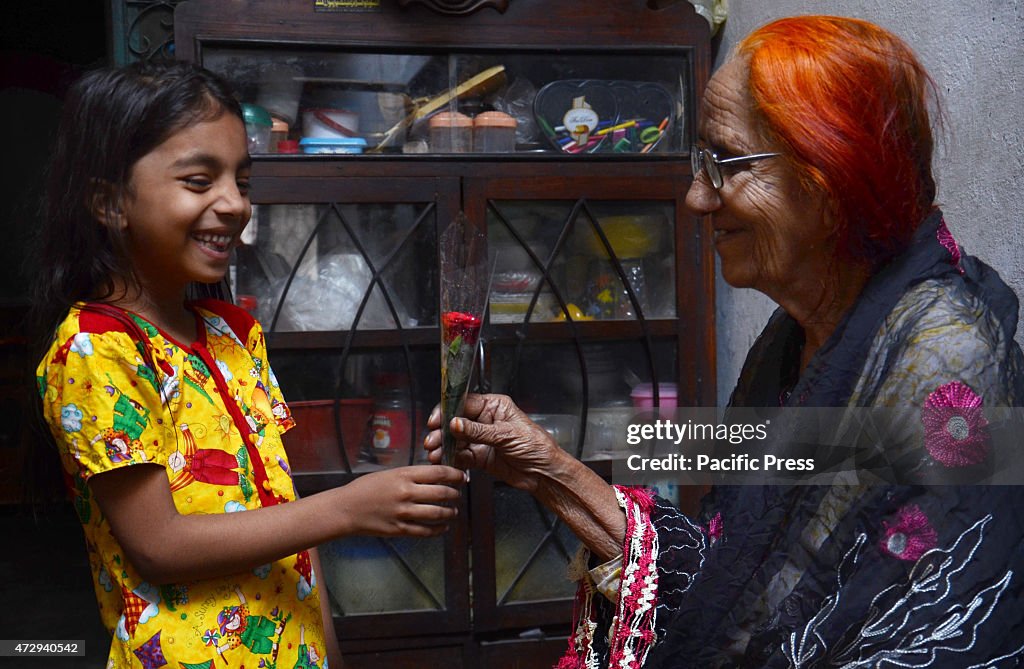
<point x="219" y="242"/>
<point x="216" y="239"/>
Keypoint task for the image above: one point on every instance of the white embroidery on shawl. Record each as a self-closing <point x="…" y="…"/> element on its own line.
<point x="800" y="654"/>
<point x="994" y="662"/>
<point x="932" y="575"/>
<point x="690" y="537"/>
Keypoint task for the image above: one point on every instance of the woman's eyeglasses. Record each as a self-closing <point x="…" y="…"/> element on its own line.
<point x="708" y="160"/>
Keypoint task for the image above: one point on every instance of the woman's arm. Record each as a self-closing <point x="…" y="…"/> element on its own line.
<point x="583" y="500"/>
<point x="167" y="547"/>
<point x="500" y="438"/>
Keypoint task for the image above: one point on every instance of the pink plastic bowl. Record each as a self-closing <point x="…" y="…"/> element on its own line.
<point x="643" y="395"/>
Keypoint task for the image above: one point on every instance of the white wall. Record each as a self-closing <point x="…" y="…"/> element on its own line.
<point x="975" y="53"/>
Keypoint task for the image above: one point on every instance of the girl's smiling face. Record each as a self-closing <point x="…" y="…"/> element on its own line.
<point x="187" y="202"/>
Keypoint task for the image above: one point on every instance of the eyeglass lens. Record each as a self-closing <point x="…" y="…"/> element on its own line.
<point x="701" y="158"/>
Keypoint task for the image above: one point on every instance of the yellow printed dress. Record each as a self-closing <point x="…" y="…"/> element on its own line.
<point x="118" y="392"/>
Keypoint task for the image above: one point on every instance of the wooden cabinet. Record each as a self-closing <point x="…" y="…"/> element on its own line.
<point x="602" y="281"/>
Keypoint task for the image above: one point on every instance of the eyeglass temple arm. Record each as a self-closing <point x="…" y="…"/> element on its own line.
<point x="744" y="159"/>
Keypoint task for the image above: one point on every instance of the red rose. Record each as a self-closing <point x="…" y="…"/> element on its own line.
<point x="456" y="324"/>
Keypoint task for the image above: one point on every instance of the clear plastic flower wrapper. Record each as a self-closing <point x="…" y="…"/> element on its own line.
<point x="465" y="281"/>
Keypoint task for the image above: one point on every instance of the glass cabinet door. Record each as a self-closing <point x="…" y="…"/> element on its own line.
<point x="579" y="263"/>
<point x="368" y="575"/>
<point x="586" y="314"/>
<point x="336" y="271"/>
<point x="338" y="267"/>
<point x="537" y="102"/>
<point x="581" y="260"/>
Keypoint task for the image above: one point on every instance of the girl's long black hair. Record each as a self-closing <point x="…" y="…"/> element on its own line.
<point x="111" y="118"/>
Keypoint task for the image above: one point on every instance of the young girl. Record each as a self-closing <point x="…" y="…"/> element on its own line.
<point x="166" y="414"/>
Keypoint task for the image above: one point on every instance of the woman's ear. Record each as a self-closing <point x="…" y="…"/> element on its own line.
<point x="105" y="205"/>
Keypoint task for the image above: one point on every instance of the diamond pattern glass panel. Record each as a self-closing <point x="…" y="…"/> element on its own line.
<point x="338" y="267"/>
<point x="531" y="550"/>
<point x="594" y="260"/>
<point x="371" y="575"/>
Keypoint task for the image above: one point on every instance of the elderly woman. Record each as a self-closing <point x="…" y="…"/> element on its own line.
<point x="814" y="166"/>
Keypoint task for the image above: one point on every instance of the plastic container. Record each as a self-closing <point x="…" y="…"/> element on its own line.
<point x="512" y="307"/>
<point x="250" y="303"/>
<point x="332" y="145"/>
<point x="390" y="427"/>
<point x="561" y="427"/>
<point x="313" y="442"/>
<point x="643" y="395"/>
<point x="280" y="89"/>
<point x="278" y="132"/>
<point x="494" y="132"/>
<point x="258" y="125"/>
<point x="451" y="132"/>
<point x="288" y="146"/>
<point x="329" y="123"/>
<point x="606" y="431"/>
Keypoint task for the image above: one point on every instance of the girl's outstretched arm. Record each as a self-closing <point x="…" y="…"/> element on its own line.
<point x="167" y="547"/>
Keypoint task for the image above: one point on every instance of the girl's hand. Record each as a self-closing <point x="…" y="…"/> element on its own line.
<point x="498" y="437"/>
<point x="416" y="501"/>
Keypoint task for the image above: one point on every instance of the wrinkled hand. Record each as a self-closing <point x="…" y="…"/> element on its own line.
<point x="418" y="501"/>
<point x="498" y="437"/>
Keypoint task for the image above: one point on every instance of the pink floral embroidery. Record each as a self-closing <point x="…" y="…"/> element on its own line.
<point x="945" y="238"/>
<point x="715" y="529"/>
<point x="910" y="537"/>
<point x="955" y="428"/>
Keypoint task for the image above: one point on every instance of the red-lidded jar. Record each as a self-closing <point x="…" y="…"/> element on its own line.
<point x="494" y="132"/>
<point x="451" y="132"/>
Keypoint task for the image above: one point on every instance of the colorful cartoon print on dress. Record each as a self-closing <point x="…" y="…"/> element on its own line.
<point x="106" y="414"/>
<point x="140" y="605"/>
<point x="173" y="596"/>
<point x="304" y="566"/>
<point x="260" y="413"/>
<point x="122" y="440"/>
<point x="955" y="428"/>
<point x="150" y="654"/>
<point x="260" y="634"/>
<point x="197" y="374"/>
<point x="206" y="465"/>
<point x="309" y="654"/>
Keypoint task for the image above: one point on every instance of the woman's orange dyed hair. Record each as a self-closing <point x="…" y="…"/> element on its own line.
<point x="850" y="102"/>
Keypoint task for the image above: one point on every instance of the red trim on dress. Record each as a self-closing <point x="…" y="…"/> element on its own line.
<point x="110" y="314"/>
<point x="238" y="319"/>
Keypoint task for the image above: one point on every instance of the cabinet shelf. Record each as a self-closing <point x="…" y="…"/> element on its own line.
<point x="360" y="339"/>
<point x="492" y="332"/>
<point x="596" y="330"/>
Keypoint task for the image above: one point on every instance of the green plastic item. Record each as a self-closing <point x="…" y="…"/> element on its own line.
<point x="256" y="115"/>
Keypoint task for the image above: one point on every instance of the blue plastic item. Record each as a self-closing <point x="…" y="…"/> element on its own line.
<point x="332" y="145"/>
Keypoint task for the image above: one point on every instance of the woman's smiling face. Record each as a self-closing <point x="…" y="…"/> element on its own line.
<point x="769" y="231"/>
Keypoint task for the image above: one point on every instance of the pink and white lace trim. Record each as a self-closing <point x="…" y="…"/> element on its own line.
<point x="632" y="634"/>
